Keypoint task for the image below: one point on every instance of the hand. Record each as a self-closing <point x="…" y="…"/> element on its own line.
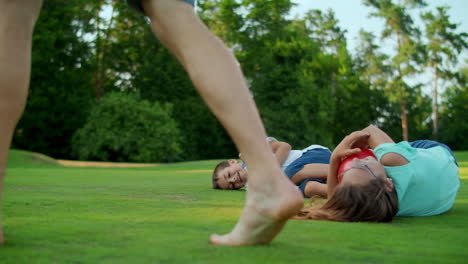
<point x="351" y="144"/>
<point x="361" y="140"/>
<point x="240" y="157"/>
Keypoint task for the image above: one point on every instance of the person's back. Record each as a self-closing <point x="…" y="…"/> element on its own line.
<point x="428" y="184"/>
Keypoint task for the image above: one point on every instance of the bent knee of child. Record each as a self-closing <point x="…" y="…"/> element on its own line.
<point x="314" y="188"/>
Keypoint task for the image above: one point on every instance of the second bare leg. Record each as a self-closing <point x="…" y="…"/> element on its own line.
<point x="271" y="199"/>
<point x="17" y="19"/>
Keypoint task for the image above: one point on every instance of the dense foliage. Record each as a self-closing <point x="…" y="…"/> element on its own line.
<point x="308" y="86"/>
<point x="122" y="128"/>
<point x="61" y="81"/>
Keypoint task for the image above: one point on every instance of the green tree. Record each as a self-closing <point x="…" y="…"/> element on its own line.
<point x="444" y="46"/>
<point x="325" y="30"/>
<point x="122" y="128"/>
<point x="102" y="38"/>
<point x="351" y="103"/>
<point x="453" y="121"/>
<point x="60" y="89"/>
<point x="130" y="59"/>
<point x="399" y="24"/>
<point x="299" y="70"/>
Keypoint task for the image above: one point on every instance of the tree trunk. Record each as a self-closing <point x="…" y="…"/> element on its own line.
<point x="101" y="48"/>
<point x="435" y="106"/>
<point x="404" y="119"/>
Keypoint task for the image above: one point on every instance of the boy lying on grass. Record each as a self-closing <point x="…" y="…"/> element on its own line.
<point x="306" y="168"/>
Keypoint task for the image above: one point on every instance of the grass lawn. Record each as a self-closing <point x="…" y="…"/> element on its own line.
<point x="165" y="214"/>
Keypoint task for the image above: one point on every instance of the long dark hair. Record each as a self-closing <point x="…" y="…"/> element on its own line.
<point x="356" y="203"/>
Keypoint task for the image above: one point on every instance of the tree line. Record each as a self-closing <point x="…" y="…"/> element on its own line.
<point x="104" y="88"/>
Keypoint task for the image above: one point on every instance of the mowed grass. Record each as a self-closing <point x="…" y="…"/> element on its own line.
<point x="165" y="214"/>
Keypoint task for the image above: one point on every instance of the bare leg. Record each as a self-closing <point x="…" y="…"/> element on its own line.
<point x="315" y="171"/>
<point x="314" y="188"/>
<point x="17" y="20"/>
<point x="271" y="199"/>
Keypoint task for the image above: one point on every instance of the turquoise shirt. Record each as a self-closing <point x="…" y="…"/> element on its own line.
<point x="428" y="184"/>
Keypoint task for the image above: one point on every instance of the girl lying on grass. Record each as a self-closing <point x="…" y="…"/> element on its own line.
<point x="408" y="179"/>
<point x="307" y="168"/>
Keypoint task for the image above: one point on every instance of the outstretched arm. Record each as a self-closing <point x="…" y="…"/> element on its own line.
<point x="311" y="171"/>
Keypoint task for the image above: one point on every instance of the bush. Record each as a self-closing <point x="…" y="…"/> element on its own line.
<point x="123" y="128"/>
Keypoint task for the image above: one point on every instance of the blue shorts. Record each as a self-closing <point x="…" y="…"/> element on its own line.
<point x="427" y="144"/>
<point x="136" y="4"/>
<point x="317" y="156"/>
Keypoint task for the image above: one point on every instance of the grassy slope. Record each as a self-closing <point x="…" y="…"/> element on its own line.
<point x="164" y="214"/>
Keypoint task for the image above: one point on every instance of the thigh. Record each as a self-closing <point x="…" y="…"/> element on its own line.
<point x="137" y="5"/>
<point x="313" y="156"/>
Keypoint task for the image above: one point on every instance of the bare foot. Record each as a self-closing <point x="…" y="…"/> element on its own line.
<point x="268" y="208"/>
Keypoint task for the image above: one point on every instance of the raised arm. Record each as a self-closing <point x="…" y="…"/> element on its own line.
<point x="376" y="137"/>
<point x="281" y="150"/>
<point x="349" y="145"/>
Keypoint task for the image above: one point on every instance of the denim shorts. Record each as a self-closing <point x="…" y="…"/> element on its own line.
<point x="317" y="156"/>
<point x="313" y="156"/>
<point x="136" y="4"/>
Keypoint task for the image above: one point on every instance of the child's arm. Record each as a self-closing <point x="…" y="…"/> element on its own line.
<point x="376" y="137"/>
<point x="281" y="150"/>
<point x="348" y="146"/>
<point x="311" y="171"/>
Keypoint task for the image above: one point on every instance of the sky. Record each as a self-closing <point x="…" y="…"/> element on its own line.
<point x="353" y="15"/>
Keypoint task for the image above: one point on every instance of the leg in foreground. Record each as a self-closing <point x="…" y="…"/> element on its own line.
<point x="271" y="198"/>
<point x="17" y="20"/>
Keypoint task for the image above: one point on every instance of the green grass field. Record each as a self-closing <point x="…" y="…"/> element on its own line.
<point x="165" y="214"/>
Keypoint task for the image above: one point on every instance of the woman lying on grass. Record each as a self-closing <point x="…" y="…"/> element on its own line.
<point x="307" y="168"/>
<point x="408" y="179"/>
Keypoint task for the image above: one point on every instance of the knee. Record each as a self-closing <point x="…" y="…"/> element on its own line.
<point x="314" y="188"/>
<point x="298" y="177"/>
<point x="20" y="13"/>
<point x="167" y="14"/>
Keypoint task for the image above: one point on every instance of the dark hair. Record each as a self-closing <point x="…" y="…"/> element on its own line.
<point x="220" y="166"/>
<point x="356" y="203"/>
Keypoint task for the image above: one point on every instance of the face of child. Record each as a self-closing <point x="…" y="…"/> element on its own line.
<point x="363" y="171"/>
<point x="232" y="177"/>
